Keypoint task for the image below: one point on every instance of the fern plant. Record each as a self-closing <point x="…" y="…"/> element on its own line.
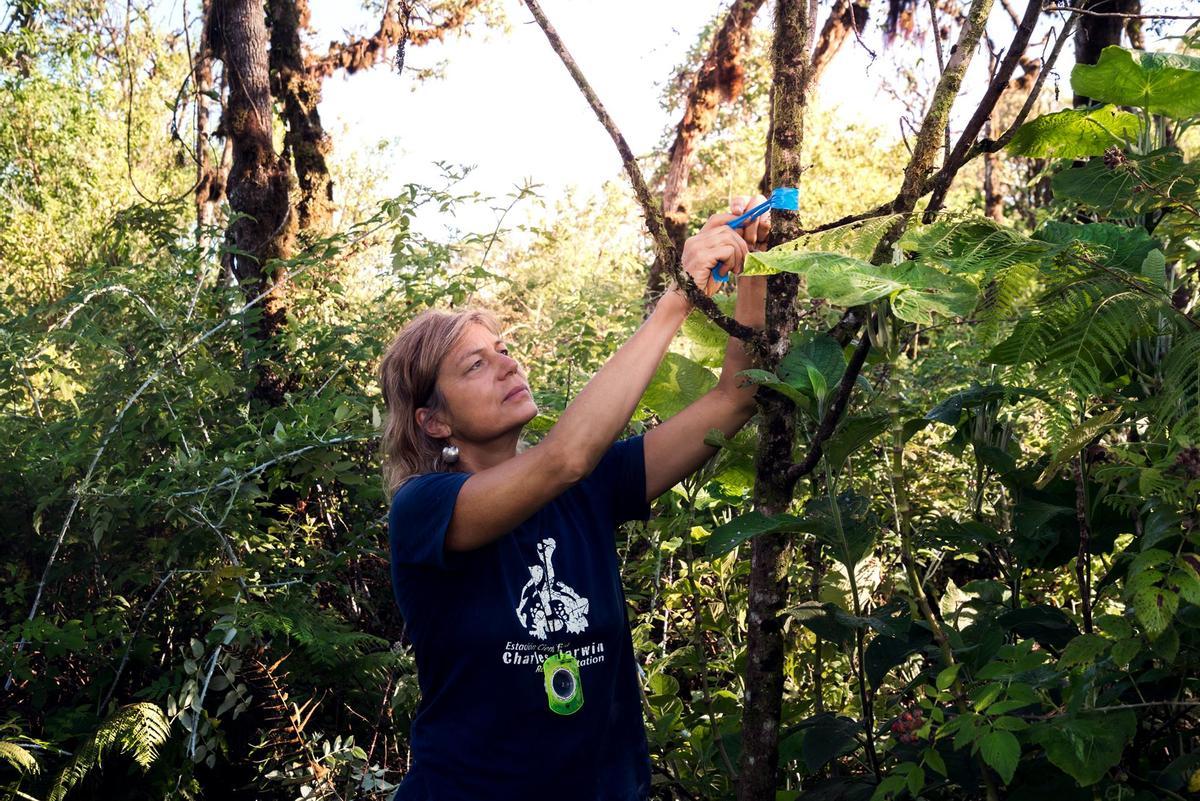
<point x="137" y="730"/>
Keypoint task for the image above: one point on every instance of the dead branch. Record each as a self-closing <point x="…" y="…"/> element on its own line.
<point x="366" y="51"/>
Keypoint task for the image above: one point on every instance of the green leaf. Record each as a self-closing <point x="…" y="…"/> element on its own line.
<point x="1186" y="578"/>
<point x="852" y="434"/>
<point x="1142" y="184"/>
<point x="1074" y="442"/>
<point x="929" y="291"/>
<point x="1075" y="133"/>
<point x="768" y="379"/>
<point x="676" y="384"/>
<point x="1154" y="267"/>
<point x="728" y="536"/>
<point x="1083" y="649"/>
<point x="857" y="239"/>
<point x="842" y="280"/>
<point x="1160" y="83"/>
<point x="1155" y="607"/>
<point x="849" y="530"/>
<point x="829" y="737"/>
<point x="947" y="677"/>
<point x="1002" y="752"/>
<point x="1086" y="745"/>
<point x="813" y="362"/>
<point x="1124" y="651"/>
<point x="1119" y="246"/>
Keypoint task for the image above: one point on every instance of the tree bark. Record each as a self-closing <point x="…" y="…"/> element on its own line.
<point x="719" y="79"/>
<point x="1098" y="32"/>
<point x="298" y="88"/>
<point x="263" y="229"/>
<point x="772" y="488"/>
<point x="210" y="184"/>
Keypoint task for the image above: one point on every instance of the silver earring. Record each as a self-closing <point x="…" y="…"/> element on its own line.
<point x="450" y="454"/>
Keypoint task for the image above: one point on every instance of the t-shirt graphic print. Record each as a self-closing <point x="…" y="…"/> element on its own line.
<point x="547" y="605"/>
<point x="482" y="623"/>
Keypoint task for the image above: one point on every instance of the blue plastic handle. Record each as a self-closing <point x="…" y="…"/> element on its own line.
<point x="738" y="222"/>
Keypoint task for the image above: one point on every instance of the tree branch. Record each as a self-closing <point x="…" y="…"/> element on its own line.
<point x="665" y="249"/>
<point x="957" y="157"/>
<point x="1075" y="10"/>
<point x="365" y="52"/>
<point x="833" y="414"/>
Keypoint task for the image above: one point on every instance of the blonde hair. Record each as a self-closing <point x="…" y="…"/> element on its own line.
<point x="408" y="374"/>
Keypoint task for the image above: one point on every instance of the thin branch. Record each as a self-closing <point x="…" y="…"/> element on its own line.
<point x="664" y="247"/>
<point x="1012" y="57"/>
<point x="833" y="414"/>
<point x="1075" y="10"/>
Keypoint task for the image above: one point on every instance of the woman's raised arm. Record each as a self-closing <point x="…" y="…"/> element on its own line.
<point x="493" y="501"/>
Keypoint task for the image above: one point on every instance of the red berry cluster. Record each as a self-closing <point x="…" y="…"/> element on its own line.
<point x="905" y="726"/>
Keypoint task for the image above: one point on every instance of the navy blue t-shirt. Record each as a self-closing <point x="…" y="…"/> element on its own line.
<point x="481" y="622"/>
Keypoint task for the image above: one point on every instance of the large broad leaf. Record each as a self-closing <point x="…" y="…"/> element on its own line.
<point x="918" y="290"/>
<point x="929" y="291"/>
<point x="743" y="527"/>
<point x="814" y="364"/>
<point x="950" y="410"/>
<point x="1119" y="246"/>
<point x="707" y="339"/>
<point x="768" y="379"/>
<point x="1088" y="744"/>
<point x="852" y="434"/>
<point x="1075" y="133"/>
<point x="828" y="736"/>
<point x="885" y="652"/>
<point x="677" y="382"/>
<point x="849" y="529"/>
<point x="1161" y="83"/>
<point x="842" y="280"/>
<point x="1159" y="178"/>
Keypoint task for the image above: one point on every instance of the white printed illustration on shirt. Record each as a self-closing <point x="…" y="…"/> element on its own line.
<point x="547" y="605"/>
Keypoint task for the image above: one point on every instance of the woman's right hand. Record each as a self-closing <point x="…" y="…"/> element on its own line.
<point x="715" y="242"/>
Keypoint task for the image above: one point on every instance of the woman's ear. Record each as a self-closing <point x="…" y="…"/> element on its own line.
<point x="432" y="424"/>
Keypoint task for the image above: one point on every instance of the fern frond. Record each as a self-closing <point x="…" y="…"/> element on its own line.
<point x="19" y="758"/>
<point x="857" y="239"/>
<point x="137" y="730"/>
<point x="1176" y="410"/>
<point x="326" y="641"/>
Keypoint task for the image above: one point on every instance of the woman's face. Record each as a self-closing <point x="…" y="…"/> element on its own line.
<point x="485" y="389"/>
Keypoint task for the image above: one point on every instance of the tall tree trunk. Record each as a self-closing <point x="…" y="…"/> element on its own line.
<point x="263" y="229"/>
<point x="299" y="90"/>
<point x="772" y="487"/>
<point x="210" y="182"/>
<point x="718" y="80"/>
<point x="1098" y="32"/>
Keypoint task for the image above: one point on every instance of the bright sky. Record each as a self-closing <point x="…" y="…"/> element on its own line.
<point x="507" y="104"/>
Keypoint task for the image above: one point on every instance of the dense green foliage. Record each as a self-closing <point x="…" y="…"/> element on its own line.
<point x="995" y="569"/>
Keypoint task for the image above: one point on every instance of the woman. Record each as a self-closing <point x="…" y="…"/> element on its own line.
<point x="503" y="563"/>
